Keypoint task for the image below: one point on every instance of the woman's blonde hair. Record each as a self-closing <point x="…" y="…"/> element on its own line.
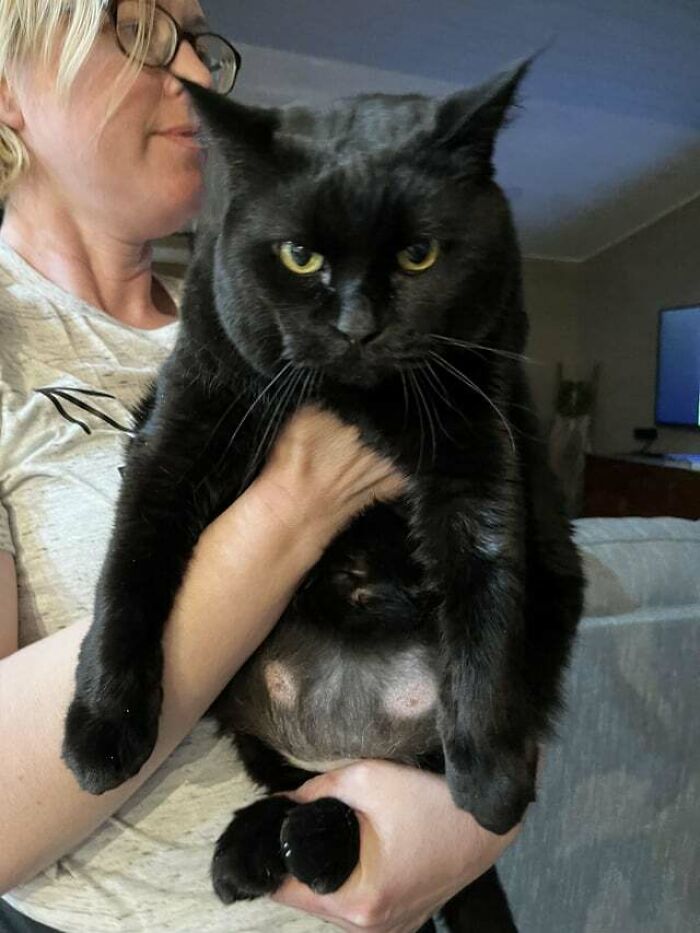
<point x="29" y="31"/>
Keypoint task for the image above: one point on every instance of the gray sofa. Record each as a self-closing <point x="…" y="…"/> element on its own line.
<point x="613" y="842"/>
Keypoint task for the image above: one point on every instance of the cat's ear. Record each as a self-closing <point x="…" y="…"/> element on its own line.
<point x="240" y="134"/>
<point x="468" y="122"/>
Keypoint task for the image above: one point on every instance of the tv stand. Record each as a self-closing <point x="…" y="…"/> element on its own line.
<point x="682" y="461"/>
<point x="647" y="485"/>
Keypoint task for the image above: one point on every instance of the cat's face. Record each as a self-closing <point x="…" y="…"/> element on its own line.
<point x="351" y="235"/>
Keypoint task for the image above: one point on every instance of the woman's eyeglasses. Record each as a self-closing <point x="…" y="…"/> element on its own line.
<point x="217" y="54"/>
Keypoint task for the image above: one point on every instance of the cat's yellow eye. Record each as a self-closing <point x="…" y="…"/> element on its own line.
<point x="299" y="259"/>
<point x="419" y="256"/>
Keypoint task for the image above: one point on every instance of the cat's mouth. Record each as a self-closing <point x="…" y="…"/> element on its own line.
<point x="354" y="362"/>
<point x="357" y="367"/>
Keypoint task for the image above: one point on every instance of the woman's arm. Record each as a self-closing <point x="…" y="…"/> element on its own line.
<point x="225" y="608"/>
<point x="243" y="572"/>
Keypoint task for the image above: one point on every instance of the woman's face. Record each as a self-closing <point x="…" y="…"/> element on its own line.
<point x="132" y="179"/>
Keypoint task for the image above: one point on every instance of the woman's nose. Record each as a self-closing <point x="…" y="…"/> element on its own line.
<point x="187" y="64"/>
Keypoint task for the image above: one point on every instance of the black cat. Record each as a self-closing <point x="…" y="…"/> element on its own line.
<point x="362" y="257"/>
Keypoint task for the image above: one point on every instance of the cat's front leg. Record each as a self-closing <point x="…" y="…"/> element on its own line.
<point x="112" y="722"/>
<point x="167" y="498"/>
<point x="472" y="553"/>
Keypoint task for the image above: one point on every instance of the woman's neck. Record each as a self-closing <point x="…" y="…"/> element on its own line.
<point x="96" y="266"/>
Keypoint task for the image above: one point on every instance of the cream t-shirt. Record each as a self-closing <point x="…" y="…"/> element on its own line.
<point x="147" y="867"/>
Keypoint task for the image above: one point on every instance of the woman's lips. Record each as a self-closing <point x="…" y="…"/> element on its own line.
<point x="188" y="140"/>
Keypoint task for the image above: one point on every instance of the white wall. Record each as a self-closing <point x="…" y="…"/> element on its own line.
<point x="624" y="288"/>
<point x="606" y="310"/>
<point x="553" y="297"/>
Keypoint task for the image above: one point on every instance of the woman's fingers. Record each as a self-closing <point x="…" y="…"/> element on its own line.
<point x="321" y="467"/>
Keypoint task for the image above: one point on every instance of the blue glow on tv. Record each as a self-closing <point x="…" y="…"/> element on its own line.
<point x="678" y="367"/>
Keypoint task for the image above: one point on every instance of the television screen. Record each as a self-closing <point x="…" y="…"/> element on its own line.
<point x="678" y="367"/>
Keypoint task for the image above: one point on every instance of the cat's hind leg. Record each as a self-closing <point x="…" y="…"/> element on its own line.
<point x="248" y="861"/>
<point x="317" y="842"/>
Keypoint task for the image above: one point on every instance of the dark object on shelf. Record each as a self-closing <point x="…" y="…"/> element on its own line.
<point x="624" y="486"/>
<point x="569" y="437"/>
<point x="649" y="435"/>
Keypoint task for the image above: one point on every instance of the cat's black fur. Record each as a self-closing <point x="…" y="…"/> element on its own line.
<point x="469" y="584"/>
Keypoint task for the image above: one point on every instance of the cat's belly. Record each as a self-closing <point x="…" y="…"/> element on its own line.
<point x="351" y="669"/>
<point x="324" y="708"/>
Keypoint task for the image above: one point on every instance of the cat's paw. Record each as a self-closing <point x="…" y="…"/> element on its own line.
<point x="321" y="843"/>
<point x="248" y="860"/>
<point x="495" y="788"/>
<point x="105" y="746"/>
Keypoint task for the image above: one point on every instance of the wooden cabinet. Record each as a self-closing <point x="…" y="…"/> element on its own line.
<point x="619" y="486"/>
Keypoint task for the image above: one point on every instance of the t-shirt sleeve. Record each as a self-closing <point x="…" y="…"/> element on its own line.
<point x="6" y="543"/>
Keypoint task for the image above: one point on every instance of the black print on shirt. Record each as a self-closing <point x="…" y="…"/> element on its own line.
<point x="53" y="393"/>
<point x="62" y="392"/>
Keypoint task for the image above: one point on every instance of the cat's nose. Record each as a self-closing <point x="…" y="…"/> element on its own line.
<point x="357" y="323"/>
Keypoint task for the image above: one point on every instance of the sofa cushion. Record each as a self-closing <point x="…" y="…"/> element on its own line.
<point x="631" y="563"/>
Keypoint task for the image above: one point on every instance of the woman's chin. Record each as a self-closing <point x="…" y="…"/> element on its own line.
<point x="180" y="211"/>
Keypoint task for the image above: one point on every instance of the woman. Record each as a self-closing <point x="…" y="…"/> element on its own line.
<point x="95" y="162"/>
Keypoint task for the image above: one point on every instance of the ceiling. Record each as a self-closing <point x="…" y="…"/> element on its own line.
<point x="607" y="141"/>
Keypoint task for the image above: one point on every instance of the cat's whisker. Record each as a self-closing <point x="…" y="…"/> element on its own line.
<point x="468" y="345"/>
<point x="459" y="375"/>
<point x="428" y="415"/>
<point x="440" y="389"/>
<point x="279" y="392"/>
<point x="285" y="391"/>
<point x="318" y="377"/>
<point x="308" y="388"/>
<point x="272" y="382"/>
<point x="291" y="403"/>
<point x="257" y="399"/>
<point x="212" y="434"/>
<point x="279" y="396"/>
<point x="285" y="404"/>
<point x="420" y="420"/>
<point x="405" y="400"/>
<point x="431" y="385"/>
<point x="305" y="385"/>
<point x="442" y="392"/>
<point x="428" y="367"/>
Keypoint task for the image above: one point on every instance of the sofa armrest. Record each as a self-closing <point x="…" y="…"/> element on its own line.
<point x="610" y="845"/>
<point x="632" y="563"/>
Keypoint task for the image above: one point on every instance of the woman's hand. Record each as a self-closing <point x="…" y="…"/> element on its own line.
<point x="319" y="475"/>
<point x="417" y="849"/>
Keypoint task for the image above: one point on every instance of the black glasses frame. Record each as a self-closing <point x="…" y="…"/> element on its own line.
<point x="182" y="36"/>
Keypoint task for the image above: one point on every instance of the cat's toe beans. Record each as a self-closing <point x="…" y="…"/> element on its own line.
<point x="321" y="843"/>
